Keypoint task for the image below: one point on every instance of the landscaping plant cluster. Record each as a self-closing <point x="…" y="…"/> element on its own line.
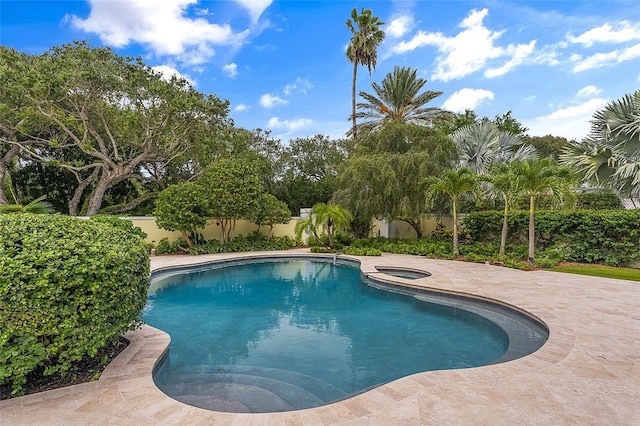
<point x="69" y="288"/>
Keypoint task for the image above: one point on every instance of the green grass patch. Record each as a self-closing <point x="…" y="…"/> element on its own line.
<point x="599" y="271"/>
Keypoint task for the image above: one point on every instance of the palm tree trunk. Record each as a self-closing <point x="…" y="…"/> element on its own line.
<point x="455" y="229"/>
<point x="532" y="231"/>
<point x="505" y="230"/>
<point x="353" y="98"/>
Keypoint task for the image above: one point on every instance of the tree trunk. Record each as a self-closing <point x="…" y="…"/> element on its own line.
<point x="125" y="207"/>
<point x="532" y="231"/>
<point x="353" y="98"/>
<point x="455" y="229"/>
<point x="74" y="202"/>
<point x="505" y="230"/>
<point x="188" y="239"/>
<point x="5" y="161"/>
<point x="97" y="196"/>
<point x="415" y="225"/>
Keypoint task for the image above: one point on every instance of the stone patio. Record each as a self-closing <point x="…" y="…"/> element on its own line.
<point x="588" y="372"/>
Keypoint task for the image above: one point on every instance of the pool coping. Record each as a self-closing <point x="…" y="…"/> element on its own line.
<point x="587" y="371"/>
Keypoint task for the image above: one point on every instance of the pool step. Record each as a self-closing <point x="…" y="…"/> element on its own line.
<point x="246" y="389"/>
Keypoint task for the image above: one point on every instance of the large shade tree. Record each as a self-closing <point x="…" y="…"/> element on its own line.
<point x="310" y="167"/>
<point x="610" y="155"/>
<point x="398" y="99"/>
<point x="118" y="113"/>
<point x="366" y="36"/>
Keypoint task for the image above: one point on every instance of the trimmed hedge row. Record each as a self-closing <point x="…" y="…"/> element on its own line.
<point x="611" y="237"/>
<point x="68" y="288"/>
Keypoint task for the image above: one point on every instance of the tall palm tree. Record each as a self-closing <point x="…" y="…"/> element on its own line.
<point x="537" y="177"/>
<point x="363" y="48"/>
<point x="481" y="145"/>
<point x="503" y="183"/>
<point x="398" y="100"/>
<point x="610" y="155"/>
<point x="455" y="184"/>
<point x="332" y="217"/>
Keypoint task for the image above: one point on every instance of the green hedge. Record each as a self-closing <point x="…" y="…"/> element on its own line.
<point x="68" y="288"/>
<point x="590" y="236"/>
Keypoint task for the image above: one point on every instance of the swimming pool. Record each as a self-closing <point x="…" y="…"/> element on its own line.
<point x="279" y="335"/>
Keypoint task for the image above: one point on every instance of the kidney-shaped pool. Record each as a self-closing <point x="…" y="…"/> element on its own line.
<point x="278" y="335"/>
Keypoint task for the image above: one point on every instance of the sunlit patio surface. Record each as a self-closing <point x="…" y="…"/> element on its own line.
<point x="588" y="372"/>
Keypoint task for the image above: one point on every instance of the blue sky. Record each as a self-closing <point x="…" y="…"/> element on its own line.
<point x="282" y="64"/>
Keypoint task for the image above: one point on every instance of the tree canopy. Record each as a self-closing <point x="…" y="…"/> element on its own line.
<point x="381" y="178"/>
<point x="398" y="100"/>
<point x="108" y="114"/>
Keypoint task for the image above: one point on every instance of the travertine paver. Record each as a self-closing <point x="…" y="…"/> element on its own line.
<point x="588" y="373"/>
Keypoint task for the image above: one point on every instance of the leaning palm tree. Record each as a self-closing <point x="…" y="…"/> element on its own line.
<point x="481" y="145"/>
<point x="535" y="178"/>
<point x="610" y="155"/>
<point x="308" y="225"/>
<point x="37" y="206"/>
<point x="362" y="49"/>
<point x="398" y="100"/>
<point x="332" y="217"/>
<point x="454" y="184"/>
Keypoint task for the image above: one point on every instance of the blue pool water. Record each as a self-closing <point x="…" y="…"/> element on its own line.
<point x="283" y="335"/>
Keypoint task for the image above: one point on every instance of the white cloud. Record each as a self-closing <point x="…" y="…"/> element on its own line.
<point x="569" y="122"/>
<point x="269" y="101"/>
<point x="518" y="54"/>
<point x="399" y="26"/>
<point x="606" y="33"/>
<point x="466" y="99"/>
<point x="469" y="50"/>
<point x="608" y="59"/>
<point x="254" y="7"/>
<point x="167" y="72"/>
<point x="588" y="91"/>
<point x="301" y="85"/>
<point x="121" y="22"/>
<point x="291" y="125"/>
<point x="242" y="108"/>
<point x="231" y="69"/>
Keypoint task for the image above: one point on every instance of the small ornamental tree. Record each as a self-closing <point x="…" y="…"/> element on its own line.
<point x="271" y="211"/>
<point x="234" y="188"/>
<point x="183" y="207"/>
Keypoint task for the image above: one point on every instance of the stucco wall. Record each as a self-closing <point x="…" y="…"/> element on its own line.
<point x="394" y="229"/>
<point x="210" y="232"/>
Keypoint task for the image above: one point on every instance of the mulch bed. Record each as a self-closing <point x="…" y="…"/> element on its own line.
<point x="86" y="370"/>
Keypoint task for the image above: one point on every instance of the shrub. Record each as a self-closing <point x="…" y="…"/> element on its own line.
<point x="68" y="288"/>
<point x="119" y="223"/>
<point x="599" y="201"/>
<point x="362" y="251"/>
<point x="165" y="246"/>
<point x="589" y="236"/>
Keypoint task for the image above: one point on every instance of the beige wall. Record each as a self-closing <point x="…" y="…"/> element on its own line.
<point x="397" y="229"/>
<point x="210" y="232"/>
